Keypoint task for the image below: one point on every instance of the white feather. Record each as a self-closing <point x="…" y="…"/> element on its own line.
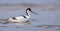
<point x="20" y="18"/>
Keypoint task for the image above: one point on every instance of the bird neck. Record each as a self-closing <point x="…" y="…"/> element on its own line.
<point x="27" y="12"/>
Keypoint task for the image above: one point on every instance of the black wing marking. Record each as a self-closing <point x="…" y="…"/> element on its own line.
<point x="20" y="15"/>
<point x="14" y="18"/>
<point x="24" y="16"/>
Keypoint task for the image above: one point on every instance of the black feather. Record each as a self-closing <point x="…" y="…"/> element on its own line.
<point x="24" y="16"/>
<point x="13" y="18"/>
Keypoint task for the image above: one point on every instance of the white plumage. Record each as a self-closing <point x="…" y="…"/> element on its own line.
<point x="19" y="19"/>
<point x="23" y="18"/>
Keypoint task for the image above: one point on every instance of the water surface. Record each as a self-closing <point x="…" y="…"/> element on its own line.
<point x="46" y="20"/>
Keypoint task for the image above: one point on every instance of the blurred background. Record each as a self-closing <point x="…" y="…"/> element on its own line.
<point x="6" y="6"/>
<point x="48" y="18"/>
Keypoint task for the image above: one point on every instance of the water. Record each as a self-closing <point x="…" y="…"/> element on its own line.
<point x="30" y="1"/>
<point x="46" y="20"/>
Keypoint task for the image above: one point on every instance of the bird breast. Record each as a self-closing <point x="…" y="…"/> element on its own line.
<point x="19" y="19"/>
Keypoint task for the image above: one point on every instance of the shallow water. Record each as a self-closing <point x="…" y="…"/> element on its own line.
<point x="46" y="20"/>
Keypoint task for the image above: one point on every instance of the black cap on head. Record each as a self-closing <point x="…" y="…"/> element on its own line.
<point x="29" y="9"/>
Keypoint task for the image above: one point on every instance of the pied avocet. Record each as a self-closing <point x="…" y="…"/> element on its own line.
<point x="22" y="18"/>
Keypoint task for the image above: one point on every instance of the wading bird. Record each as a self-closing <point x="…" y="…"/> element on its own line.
<point x="23" y="18"/>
